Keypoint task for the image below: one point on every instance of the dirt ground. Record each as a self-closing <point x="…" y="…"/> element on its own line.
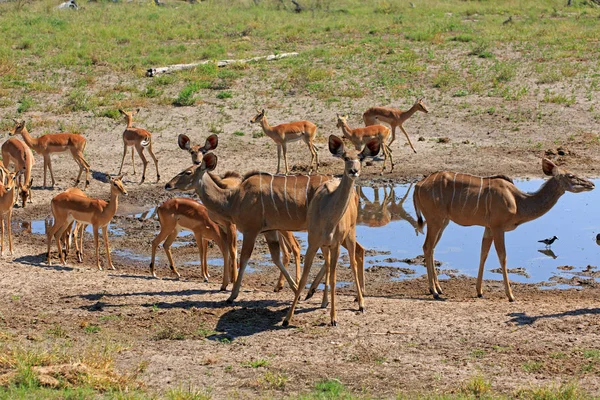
<point x="181" y="333"/>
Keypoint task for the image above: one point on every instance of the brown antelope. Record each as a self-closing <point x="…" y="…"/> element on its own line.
<point x="180" y="213"/>
<point x="360" y="136"/>
<point x="70" y="233"/>
<point x="68" y="206"/>
<point x="284" y="133"/>
<point x="287" y="240"/>
<point x="139" y="139"/>
<point x="262" y="202"/>
<point x="393" y="117"/>
<point x="493" y="202"/>
<point x="17" y="152"/>
<point x="7" y="201"/>
<point x="331" y="220"/>
<point x="197" y="151"/>
<point x="55" y="143"/>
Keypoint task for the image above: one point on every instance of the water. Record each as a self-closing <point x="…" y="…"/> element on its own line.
<point x="41" y="226"/>
<point x="387" y="224"/>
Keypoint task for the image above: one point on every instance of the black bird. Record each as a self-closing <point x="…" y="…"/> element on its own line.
<point x="548" y="242"/>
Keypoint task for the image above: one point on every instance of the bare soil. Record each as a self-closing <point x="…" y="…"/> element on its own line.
<point x="181" y="333"/>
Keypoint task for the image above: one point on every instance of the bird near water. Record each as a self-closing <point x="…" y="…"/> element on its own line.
<point x="548" y="242"/>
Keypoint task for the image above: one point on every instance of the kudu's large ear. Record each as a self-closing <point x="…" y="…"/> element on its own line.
<point x="549" y="167"/>
<point x="371" y="149"/>
<point x="210" y="161"/>
<point x="183" y="141"/>
<point x="211" y="142"/>
<point x="336" y="146"/>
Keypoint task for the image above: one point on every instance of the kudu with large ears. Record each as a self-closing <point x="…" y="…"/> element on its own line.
<point x="197" y="151"/>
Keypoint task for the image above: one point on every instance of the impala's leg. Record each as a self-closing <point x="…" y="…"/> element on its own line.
<point x="273" y="243"/>
<point x="140" y="151"/>
<point x="155" y="160"/>
<point x="498" y="236"/>
<point x="284" y="148"/>
<point x="123" y="159"/>
<point x="389" y="154"/>
<point x="97" y="248"/>
<point x="78" y="245"/>
<point x="202" y="250"/>
<point x="221" y="243"/>
<point x="486" y="243"/>
<point x="2" y="240"/>
<point x="50" y="234"/>
<point x="393" y="134"/>
<point x="51" y="172"/>
<point x="308" y="142"/>
<point x="107" y="245"/>
<point x="407" y="138"/>
<point x="231" y="231"/>
<point x="295" y="247"/>
<point x="247" y="247"/>
<point x="10" y="246"/>
<point x="316" y="157"/>
<point x="205" y="259"/>
<point x="46" y="158"/>
<point x="167" y="248"/>
<point x="278" y="157"/>
<point x="335" y="253"/>
<point x="308" y="259"/>
<point x="58" y="235"/>
<point x="132" y="161"/>
<point x="162" y="235"/>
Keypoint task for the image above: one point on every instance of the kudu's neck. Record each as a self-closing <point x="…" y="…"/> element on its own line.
<point x="216" y="199"/>
<point x="533" y="205"/>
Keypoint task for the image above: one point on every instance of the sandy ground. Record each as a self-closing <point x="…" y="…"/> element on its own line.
<point x="405" y="342"/>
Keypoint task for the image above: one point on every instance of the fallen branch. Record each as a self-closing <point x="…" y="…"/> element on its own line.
<point x="394" y="333"/>
<point x="222" y="63"/>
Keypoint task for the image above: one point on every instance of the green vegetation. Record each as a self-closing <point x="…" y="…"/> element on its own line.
<point x="348" y="49"/>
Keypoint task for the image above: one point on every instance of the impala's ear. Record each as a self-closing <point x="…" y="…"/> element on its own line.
<point x="122" y="112"/>
<point x="263" y="111"/>
<point x="184" y="142"/>
<point x="137" y="111"/>
<point x="211" y="142"/>
<point x="371" y="149"/>
<point x="336" y="146"/>
<point x="210" y="161"/>
<point x="549" y="167"/>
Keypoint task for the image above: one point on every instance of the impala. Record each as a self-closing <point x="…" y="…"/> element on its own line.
<point x="180" y="213"/>
<point x="360" y="136"/>
<point x="139" y="139"/>
<point x="285" y="133"/>
<point x="393" y="117"/>
<point x="55" y="143"/>
<point x="261" y="203"/>
<point x="331" y="220"/>
<point x="68" y="206"/>
<point x="493" y="202"/>
<point x="7" y="201"/>
<point x="16" y="152"/>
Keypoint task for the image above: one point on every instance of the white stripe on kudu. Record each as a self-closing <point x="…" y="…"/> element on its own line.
<point x="272" y="195"/>
<point x="307" y="186"/>
<point x="453" y="190"/>
<point x="285" y="195"/>
<point x="466" y="194"/>
<point x="479" y="195"/>
<point x="260" y="194"/>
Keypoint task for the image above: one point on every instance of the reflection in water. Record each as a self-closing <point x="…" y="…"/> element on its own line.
<point x="377" y="213"/>
<point x="549" y="253"/>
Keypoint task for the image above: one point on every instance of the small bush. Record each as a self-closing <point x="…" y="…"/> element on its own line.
<point x="224" y="95"/>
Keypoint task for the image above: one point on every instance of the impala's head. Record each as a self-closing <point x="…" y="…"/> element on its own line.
<point x="128" y="115"/>
<point x="421" y="106"/>
<point x="189" y="177"/>
<point x="568" y="181"/>
<point x="117" y="185"/>
<point x="18" y="128"/>
<point x="352" y="158"/>
<point x="197" y="151"/>
<point x="258" y="117"/>
<point x="25" y="192"/>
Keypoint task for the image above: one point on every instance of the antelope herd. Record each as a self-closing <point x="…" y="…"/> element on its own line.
<point x="277" y="205"/>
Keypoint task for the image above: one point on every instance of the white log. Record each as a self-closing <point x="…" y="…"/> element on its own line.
<point x="222" y="63"/>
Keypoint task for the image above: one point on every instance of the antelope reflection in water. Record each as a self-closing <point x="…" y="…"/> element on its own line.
<point x="385" y="207"/>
